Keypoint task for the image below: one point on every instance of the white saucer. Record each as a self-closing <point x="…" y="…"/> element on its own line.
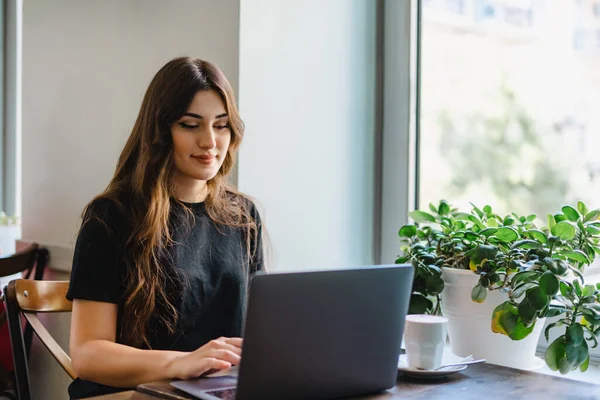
<point x="447" y="358"/>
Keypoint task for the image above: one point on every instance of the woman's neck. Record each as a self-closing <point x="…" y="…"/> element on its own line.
<point x="189" y="190"/>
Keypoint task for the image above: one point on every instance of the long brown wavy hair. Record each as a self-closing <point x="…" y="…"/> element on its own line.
<point x="142" y="189"/>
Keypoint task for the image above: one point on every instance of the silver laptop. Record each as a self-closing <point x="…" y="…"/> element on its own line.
<point x="317" y="335"/>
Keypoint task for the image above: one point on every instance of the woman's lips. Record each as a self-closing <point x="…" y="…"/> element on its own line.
<point x="205" y="159"/>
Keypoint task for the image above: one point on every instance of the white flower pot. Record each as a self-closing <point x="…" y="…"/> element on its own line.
<point x="9" y="234"/>
<point x="469" y="324"/>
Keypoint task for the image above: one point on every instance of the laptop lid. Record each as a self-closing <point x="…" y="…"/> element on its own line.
<point x="324" y="334"/>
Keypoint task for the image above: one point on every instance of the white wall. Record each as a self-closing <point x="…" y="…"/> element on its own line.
<point x="86" y="65"/>
<point x="307" y="93"/>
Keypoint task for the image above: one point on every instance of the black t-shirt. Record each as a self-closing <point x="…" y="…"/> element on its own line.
<point x="209" y="260"/>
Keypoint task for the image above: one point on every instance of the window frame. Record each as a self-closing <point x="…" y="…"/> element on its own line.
<point x="401" y="132"/>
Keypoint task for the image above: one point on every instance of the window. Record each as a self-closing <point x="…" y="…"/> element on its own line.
<point x="510" y="109"/>
<point x="10" y="103"/>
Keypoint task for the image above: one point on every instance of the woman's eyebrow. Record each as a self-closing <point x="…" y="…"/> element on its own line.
<point x="198" y="116"/>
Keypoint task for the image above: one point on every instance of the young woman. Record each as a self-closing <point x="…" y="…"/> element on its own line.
<point x="164" y="254"/>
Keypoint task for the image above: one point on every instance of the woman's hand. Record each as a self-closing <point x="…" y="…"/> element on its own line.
<point x="217" y="354"/>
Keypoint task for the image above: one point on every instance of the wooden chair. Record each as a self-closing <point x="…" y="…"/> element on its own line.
<point x="28" y="297"/>
<point x="33" y="258"/>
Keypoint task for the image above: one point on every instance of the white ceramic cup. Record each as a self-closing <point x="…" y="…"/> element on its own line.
<point x="424" y="339"/>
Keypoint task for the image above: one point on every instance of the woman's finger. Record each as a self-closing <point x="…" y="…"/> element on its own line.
<point x="209" y="365"/>
<point x="225" y="355"/>
<point x="235" y="341"/>
<point x="235" y="349"/>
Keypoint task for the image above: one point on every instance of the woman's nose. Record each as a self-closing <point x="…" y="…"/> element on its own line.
<point x="206" y="139"/>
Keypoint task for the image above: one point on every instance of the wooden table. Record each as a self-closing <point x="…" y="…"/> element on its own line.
<point x="481" y="381"/>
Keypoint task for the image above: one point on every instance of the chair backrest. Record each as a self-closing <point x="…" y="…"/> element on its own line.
<point x="28" y="297"/>
<point x="32" y="258"/>
<point x="22" y="261"/>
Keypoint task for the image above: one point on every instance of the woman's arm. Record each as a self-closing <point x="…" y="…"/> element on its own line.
<point x="96" y="357"/>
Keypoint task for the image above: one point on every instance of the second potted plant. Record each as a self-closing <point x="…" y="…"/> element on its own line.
<point x="497" y="278"/>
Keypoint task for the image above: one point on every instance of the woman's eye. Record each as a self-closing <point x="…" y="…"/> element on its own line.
<point x="226" y="126"/>
<point x="187" y="126"/>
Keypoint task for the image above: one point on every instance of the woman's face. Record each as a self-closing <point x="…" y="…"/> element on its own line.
<point x="201" y="137"/>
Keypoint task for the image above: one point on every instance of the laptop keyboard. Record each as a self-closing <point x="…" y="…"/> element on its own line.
<point x="225" y="394"/>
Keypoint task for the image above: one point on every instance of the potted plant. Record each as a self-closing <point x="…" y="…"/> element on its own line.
<point x="497" y="278"/>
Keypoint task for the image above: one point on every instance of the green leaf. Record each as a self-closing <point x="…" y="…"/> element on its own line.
<point x="424" y="232"/>
<point x="551" y="221"/>
<point x="579" y="275"/>
<point x="556" y="266"/>
<point x="588" y="299"/>
<point x="549" y="283"/>
<point x="408" y="231"/>
<point x="508" y="221"/>
<point x="484" y="251"/>
<point x="477" y="210"/>
<point x="554" y="311"/>
<point x="566" y="289"/>
<point x="592" y="230"/>
<point x="521" y="289"/>
<point x="526" y="244"/>
<point x="525" y="276"/>
<point x="582" y="208"/>
<point x="435" y="284"/>
<point x="577" y="287"/>
<point x="531" y="218"/>
<point x="576" y="353"/>
<point x="433" y="208"/>
<point x="488" y="231"/>
<point x="559" y="217"/>
<point x="487" y="209"/>
<point x="471" y="236"/>
<point x="479" y="293"/>
<point x="435" y="269"/>
<point x="555" y="352"/>
<point x="477" y="221"/>
<point x="506" y="320"/>
<point x="461" y="216"/>
<point x="592" y="216"/>
<point x="444" y="208"/>
<point x="574" y="334"/>
<point x="570" y="213"/>
<point x="563" y="230"/>
<point x="588" y="290"/>
<point x="537" y="235"/>
<point x="589" y="251"/>
<point x="537" y="298"/>
<point x="564" y="366"/>
<point x="421" y="216"/>
<point x="591" y="313"/>
<point x="401" y="260"/>
<point x="419" y="304"/>
<point x="492" y="222"/>
<point x="576" y="255"/>
<point x="507" y="234"/>
<point x="584" y="366"/>
<point x="527" y="311"/>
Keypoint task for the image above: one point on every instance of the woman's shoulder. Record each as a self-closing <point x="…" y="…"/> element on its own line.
<point x="246" y="202"/>
<point x="103" y="207"/>
<point x="110" y="212"/>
